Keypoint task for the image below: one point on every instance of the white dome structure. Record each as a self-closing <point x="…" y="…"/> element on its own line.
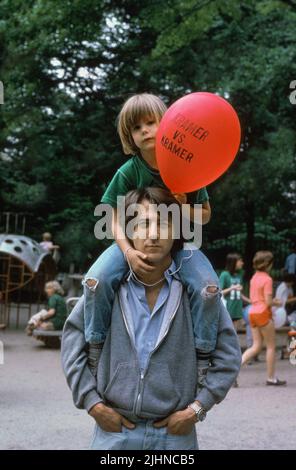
<point x="25" y="267"/>
<point x="24" y="249"/>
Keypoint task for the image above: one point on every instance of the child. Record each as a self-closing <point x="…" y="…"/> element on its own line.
<point x="260" y="315"/>
<point x="48" y="245"/>
<point x="231" y="281"/>
<point x="138" y="122"/>
<point x="285" y="294"/>
<point x="55" y="316"/>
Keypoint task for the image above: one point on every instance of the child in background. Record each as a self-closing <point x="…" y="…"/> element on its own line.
<point x="48" y="245"/>
<point x="285" y="294"/>
<point x="54" y="317"/>
<point x="260" y="315"/>
<point x="138" y="122"/>
<point x="231" y="283"/>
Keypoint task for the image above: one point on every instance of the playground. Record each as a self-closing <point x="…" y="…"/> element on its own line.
<point x="37" y="410"/>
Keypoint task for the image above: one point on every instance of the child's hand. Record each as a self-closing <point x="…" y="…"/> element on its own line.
<point x="137" y="262"/>
<point x="277" y="302"/>
<point x="181" y="197"/>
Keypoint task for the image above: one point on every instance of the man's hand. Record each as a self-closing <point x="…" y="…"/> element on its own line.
<point x="108" y="419"/>
<point x="179" y="423"/>
<point x="137" y="261"/>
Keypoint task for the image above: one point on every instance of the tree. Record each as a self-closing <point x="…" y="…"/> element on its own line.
<point x="68" y="66"/>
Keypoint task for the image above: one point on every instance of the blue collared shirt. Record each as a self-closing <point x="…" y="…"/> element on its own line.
<point x="147" y="324"/>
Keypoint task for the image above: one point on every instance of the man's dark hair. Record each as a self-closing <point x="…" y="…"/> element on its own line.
<point x="157" y="196"/>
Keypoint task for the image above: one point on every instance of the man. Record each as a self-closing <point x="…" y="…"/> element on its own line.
<point x="149" y="387"/>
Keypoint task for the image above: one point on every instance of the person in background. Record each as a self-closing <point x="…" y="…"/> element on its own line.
<point x="54" y="317"/>
<point x="231" y="284"/>
<point x="260" y="315"/>
<point x="48" y="245"/>
<point x="290" y="263"/>
<point x="285" y="294"/>
<point x="231" y="280"/>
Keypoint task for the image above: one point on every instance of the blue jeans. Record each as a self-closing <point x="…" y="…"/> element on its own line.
<point x="196" y="273"/>
<point x="143" y="437"/>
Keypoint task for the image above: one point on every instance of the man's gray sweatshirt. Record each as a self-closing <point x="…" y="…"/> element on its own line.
<point x="170" y="380"/>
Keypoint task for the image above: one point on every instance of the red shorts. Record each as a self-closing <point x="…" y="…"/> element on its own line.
<point x="260" y="319"/>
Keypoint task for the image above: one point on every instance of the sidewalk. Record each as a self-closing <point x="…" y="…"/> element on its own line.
<point x="37" y="412"/>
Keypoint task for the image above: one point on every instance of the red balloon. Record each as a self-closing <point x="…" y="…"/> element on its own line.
<point x="197" y="140"/>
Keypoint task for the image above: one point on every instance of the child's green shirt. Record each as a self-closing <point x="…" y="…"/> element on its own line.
<point x="136" y="173"/>
<point x="57" y="302"/>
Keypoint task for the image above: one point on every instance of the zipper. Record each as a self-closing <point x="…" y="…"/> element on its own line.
<point x="128" y="330"/>
<point x="140" y="386"/>
<point x="164" y="335"/>
<point x="137" y="405"/>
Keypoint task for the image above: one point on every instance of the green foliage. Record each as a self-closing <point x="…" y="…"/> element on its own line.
<point x="67" y="66"/>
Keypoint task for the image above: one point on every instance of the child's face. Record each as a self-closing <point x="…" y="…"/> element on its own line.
<point x="49" y="291"/>
<point x="144" y="133"/>
<point x="239" y="264"/>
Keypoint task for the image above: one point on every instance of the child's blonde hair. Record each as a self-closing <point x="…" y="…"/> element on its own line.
<point x="262" y="260"/>
<point x="46" y="236"/>
<point x="56" y="286"/>
<point x="134" y="109"/>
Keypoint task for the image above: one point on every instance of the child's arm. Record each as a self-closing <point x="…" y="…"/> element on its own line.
<point x="206" y="209"/>
<point x="206" y="212"/>
<point x="291" y="300"/>
<point x="50" y="313"/>
<point x="270" y="302"/>
<point x="135" y="257"/>
<point x="246" y="299"/>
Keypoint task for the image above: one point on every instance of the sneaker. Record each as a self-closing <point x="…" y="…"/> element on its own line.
<point x="235" y="384"/>
<point x="276" y="382"/>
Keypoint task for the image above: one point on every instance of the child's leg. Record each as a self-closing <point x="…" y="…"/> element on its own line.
<point x="46" y="325"/>
<point x="100" y="284"/>
<point x="202" y="284"/>
<point x="37" y="317"/>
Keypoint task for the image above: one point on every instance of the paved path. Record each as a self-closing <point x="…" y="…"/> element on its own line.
<point x="36" y="410"/>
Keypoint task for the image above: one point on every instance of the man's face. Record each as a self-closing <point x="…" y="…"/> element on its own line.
<point x="153" y="235"/>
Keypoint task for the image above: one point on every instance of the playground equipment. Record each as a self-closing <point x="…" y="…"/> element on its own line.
<point x="25" y="267"/>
